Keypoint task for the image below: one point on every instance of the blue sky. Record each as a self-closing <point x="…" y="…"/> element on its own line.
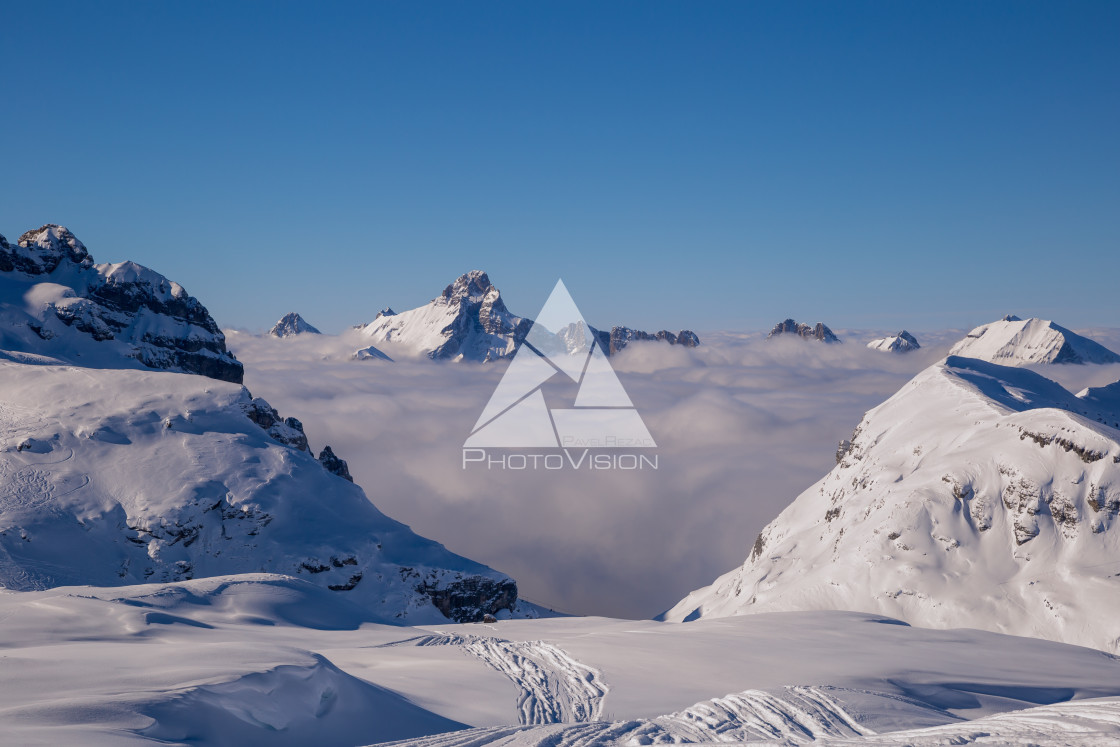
<point x="710" y="165"/>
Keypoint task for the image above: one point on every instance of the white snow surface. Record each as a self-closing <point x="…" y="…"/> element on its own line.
<point x="977" y="496"/>
<point x="265" y="659"/>
<point x="113" y="477"/>
<point x="1016" y="342"/>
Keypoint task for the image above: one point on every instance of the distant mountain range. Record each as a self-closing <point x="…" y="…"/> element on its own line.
<point x="469" y="321"/>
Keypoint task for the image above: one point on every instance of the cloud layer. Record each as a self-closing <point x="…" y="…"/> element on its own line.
<point x="742" y="427"/>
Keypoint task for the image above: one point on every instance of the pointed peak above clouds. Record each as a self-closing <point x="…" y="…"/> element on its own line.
<point x="292" y="324"/>
<point x="791" y="328"/>
<point x="902" y="342"/>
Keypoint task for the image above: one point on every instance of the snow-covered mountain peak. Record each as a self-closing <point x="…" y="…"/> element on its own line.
<point x="55" y="302"/>
<point x="979" y="495"/>
<point x="467" y="321"/>
<point x="1015" y="342"/>
<point x="292" y="324"/>
<point x="41" y="251"/>
<point x="134" y="279"/>
<point x="473" y="285"/>
<point x="902" y="342"/>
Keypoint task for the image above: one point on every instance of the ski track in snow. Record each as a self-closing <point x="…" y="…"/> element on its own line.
<point x="745" y="719"/>
<point x="793" y="715"/>
<point x="554" y="687"/>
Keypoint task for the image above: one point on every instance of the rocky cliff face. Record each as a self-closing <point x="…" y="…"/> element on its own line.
<point x="55" y="301"/>
<point x="789" y="328"/>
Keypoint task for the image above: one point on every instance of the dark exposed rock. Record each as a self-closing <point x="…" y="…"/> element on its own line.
<point x="285" y="430"/>
<point x="334" y="464"/>
<point x="471" y="599"/>
<point x="349" y="585"/>
<point x="1086" y="455"/>
<point x="790" y="327"/>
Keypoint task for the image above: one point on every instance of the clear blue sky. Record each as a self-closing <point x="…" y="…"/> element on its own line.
<point x="711" y="165"/>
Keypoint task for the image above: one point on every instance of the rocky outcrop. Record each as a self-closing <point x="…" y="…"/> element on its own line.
<point x="789" y="327"/>
<point x="67" y="301"/>
<point x="292" y="324"/>
<point x="471" y="599"/>
<point x="287" y="431"/>
<point x="334" y="464"/>
<point x="619" y="337"/>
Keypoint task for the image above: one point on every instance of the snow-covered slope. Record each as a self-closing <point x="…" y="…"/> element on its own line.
<point x="903" y="342"/>
<point x="468" y="321"/>
<point x="55" y="302"/>
<point x="112" y="477"/>
<point x="977" y="496"/>
<point x="258" y="659"/>
<point x="292" y="324"/>
<point x="1015" y="342"/>
<point x="791" y="328"/>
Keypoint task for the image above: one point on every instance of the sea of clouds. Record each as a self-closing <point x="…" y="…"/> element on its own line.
<point x="742" y="427"/>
